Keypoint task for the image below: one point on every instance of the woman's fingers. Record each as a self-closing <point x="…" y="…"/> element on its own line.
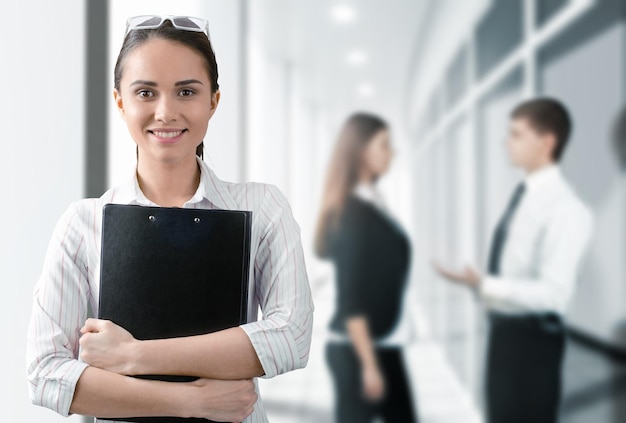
<point x="229" y="400"/>
<point x="94" y="325"/>
<point x="107" y="346"/>
<point x="90" y="325"/>
<point x="373" y="384"/>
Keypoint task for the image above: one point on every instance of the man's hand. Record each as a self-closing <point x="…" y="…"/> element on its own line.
<point x="107" y="346"/>
<point x="468" y="277"/>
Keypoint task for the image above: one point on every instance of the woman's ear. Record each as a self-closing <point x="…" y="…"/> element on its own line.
<point x="117" y="96"/>
<point x="215" y="99"/>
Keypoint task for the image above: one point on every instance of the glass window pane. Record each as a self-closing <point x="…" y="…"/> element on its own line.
<point x="546" y="9"/>
<point x="456" y="78"/>
<point x="498" y="34"/>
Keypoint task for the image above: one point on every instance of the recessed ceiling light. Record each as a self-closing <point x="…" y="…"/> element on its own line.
<point x="343" y="14"/>
<point x="365" y="89"/>
<point x="356" y="57"/>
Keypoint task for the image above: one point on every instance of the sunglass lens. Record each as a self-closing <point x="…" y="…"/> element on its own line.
<point x="189" y="23"/>
<point x="145" y="21"/>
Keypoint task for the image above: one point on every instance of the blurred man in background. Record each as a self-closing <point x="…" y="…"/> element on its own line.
<point x="533" y="264"/>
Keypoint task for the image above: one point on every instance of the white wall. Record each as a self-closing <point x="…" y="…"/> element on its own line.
<point x="42" y="167"/>
<point x="269" y="117"/>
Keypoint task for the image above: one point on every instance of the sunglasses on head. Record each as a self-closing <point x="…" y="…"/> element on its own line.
<point x="185" y="23"/>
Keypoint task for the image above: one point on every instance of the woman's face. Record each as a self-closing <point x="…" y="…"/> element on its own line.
<point x="378" y="154"/>
<point x="165" y="98"/>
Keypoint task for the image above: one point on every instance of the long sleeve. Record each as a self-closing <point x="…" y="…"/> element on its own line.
<point x="355" y="265"/>
<point x="282" y="338"/>
<point x="59" y="309"/>
<point x="550" y="288"/>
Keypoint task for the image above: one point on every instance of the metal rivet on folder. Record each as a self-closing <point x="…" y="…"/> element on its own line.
<point x="151" y="218"/>
<point x="196" y="219"/>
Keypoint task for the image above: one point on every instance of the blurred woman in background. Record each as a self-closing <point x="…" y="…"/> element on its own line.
<point x="371" y="254"/>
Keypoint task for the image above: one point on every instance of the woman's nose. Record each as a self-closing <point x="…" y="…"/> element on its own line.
<point x="166" y="110"/>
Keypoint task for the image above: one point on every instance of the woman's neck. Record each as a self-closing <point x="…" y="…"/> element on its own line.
<point x="365" y="178"/>
<point x="168" y="184"/>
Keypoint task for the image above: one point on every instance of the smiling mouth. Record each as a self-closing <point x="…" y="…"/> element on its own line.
<point x="167" y="134"/>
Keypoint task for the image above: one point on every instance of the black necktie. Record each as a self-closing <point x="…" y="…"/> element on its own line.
<point x="499" y="236"/>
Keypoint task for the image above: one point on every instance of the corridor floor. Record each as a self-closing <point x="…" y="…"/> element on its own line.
<point x="306" y="395"/>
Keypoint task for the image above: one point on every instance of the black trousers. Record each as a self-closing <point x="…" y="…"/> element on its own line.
<point x="525" y="356"/>
<point x="351" y="406"/>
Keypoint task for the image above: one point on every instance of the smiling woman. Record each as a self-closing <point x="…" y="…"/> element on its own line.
<point x="193" y="35"/>
<point x="167" y="99"/>
<point x="166" y="91"/>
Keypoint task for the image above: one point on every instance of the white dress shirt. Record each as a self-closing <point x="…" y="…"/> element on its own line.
<point x="547" y="237"/>
<point x="70" y="282"/>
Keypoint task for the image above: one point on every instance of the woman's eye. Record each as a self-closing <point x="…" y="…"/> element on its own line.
<point x="145" y="93"/>
<point x="186" y="93"/>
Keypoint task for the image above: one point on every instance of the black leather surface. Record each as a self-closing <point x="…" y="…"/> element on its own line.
<point x="172" y="272"/>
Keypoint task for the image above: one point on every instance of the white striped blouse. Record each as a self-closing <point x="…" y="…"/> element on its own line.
<point x="70" y="279"/>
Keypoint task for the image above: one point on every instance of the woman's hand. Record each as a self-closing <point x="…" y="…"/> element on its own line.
<point x="371" y="376"/>
<point x="221" y="400"/>
<point x="107" y="346"/>
<point x="373" y="383"/>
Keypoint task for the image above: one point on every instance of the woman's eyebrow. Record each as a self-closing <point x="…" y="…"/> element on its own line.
<point x="187" y="82"/>
<point x="142" y="82"/>
<point x="177" y="84"/>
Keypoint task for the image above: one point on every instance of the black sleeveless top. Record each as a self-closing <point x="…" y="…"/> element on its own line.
<point x="371" y="254"/>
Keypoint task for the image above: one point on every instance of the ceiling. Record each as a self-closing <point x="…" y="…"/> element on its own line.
<point x="381" y="40"/>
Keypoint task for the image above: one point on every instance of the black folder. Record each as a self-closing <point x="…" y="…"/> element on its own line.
<point x="172" y="272"/>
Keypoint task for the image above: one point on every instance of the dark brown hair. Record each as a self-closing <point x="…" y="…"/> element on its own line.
<point x="343" y="173"/>
<point x="547" y="115"/>
<point x="197" y="41"/>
